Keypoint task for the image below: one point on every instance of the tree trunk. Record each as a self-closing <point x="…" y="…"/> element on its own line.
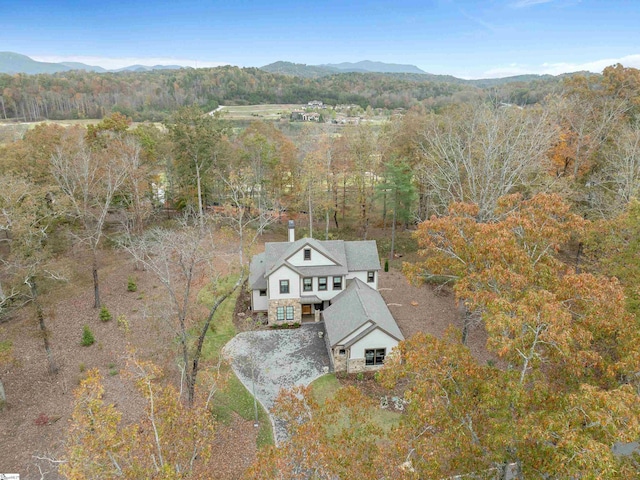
<point x="384" y="210"/>
<point x="200" y="210"/>
<point x="96" y="286"/>
<point x="326" y="224"/>
<point x="310" y="213"/>
<point x="3" y="396"/>
<point x="393" y="235"/>
<point x="344" y="193"/>
<point x="53" y="367"/>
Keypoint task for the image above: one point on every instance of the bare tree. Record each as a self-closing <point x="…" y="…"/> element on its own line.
<point x="479" y="153"/>
<point x="587" y="121"/>
<point x="243" y="216"/>
<point x="621" y="170"/>
<point x="28" y="216"/>
<point x="90" y="178"/>
<point x="178" y="258"/>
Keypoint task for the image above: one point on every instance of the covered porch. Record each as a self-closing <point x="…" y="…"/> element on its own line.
<point x="312" y="307"/>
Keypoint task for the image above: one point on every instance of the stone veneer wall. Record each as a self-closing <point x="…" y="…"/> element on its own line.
<point x="339" y="361"/>
<point x="355" y="365"/>
<point x="297" y="311"/>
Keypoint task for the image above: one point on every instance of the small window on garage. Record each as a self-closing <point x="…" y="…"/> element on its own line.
<point x="263" y="293"/>
<point x="371" y="276"/>
<point x="342" y="351"/>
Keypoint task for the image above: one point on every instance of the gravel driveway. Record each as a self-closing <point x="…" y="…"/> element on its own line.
<point x="282" y="359"/>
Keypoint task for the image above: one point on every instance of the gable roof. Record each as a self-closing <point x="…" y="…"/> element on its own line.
<point x="279" y="253"/>
<point x="357" y="305"/>
<point x="347" y="256"/>
<point x="257" y="279"/>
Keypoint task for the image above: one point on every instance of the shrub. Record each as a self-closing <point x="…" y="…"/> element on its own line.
<point x="360" y="376"/>
<point x="123" y="323"/>
<point x="82" y="367"/>
<point x="87" y="337"/>
<point x="386" y="265"/>
<point x="131" y="285"/>
<point x="105" y="314"/>
<point x="113" y="370"/>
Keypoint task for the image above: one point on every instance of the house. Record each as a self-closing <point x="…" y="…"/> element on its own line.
<point x="307" y="278"/>
<point x="361" y="331"/>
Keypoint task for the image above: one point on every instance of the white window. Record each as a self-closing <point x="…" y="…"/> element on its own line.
<point x="284" y="286"/>
<point x="337" y="283"/>
<point x="289" y="313"/>
<point x="280" y="314"/>
<point x="307" y="254"/>
<point x="322" y="283"/>
<point x="307" y="284"/>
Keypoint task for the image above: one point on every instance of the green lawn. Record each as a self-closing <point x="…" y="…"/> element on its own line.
<point x="327" y="385"/>
<point x="234" y="397"/>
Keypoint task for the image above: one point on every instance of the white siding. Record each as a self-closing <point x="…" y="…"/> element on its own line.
<point x="317" y="259"/>
<point x="327" y="294"/>
<point x="362" y="275"/>
<point x="259" y="303"/>
<point x="376" y="339"/>
<point x="284" y="273"/>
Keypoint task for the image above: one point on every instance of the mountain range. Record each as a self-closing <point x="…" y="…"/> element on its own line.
<point x="403" y="72"/>
<point x="11" y="63"/>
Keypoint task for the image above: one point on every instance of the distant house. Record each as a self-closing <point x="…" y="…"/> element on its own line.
<point x="307" y="278"/>
<point x="302" y="116"/>
<point x="296" y="115"/>
<point x="316" y="104"/>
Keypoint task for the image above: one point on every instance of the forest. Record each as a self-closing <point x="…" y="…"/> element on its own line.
<point x="153" y="96"/>
<point x="521" y="200"/>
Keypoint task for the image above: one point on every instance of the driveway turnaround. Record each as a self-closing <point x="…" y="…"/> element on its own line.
<point x="272" y="360"/>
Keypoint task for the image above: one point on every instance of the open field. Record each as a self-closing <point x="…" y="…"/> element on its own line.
<point x="12" y="131"/>
<point x="258" y="112"/>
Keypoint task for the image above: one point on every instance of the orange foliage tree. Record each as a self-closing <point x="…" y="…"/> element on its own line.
<point x="172" y="441"/>
<point x="570" y="345"/>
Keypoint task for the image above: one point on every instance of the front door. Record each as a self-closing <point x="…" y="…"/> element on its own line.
<point x="306" y="309"/>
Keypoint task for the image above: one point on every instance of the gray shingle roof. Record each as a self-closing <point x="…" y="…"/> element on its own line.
<point x="362" y="255"/>
<point x="354" y="307"/>
<point x="348" y="256"/>
<point x="257" y="280"/>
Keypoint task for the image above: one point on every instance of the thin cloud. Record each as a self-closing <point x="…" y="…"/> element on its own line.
<point x="112" y="63"/>
<point x="596" y="66"/>
<point x="529" y="3"/>
<point x="479" y="21"/>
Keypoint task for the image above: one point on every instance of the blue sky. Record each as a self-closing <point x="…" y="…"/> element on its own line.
<point x="470" y="39"/>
